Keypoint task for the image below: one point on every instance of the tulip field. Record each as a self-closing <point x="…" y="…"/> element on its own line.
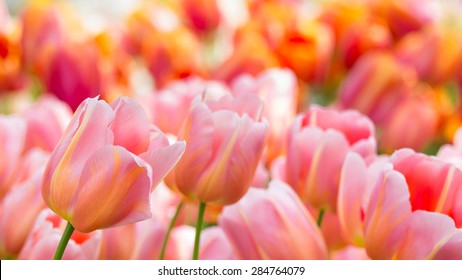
<point x="231" y="130"/>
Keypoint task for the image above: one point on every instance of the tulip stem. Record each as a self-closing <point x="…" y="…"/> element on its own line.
<point x="200" y="220"/>
<point x="170" y="226"/>
<point x="320" y="217"/>
<point x="63" y="242"/>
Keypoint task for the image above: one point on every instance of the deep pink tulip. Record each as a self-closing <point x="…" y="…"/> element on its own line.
<point x="318" y="142"/>
<point x="12" y="140"/>
<point x="72" y="73"/>
<point x="103" y="170"/>
<point x="278" y="89"/>
<point x="272" y="224"/>
<point x="46" y="122"/>
<point x="43" y="240"/>
<point x="225" y="140"/>
<point x="404" y="207"/>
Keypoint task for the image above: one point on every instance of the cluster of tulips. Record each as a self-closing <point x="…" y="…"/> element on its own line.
<point x="215" y="129"/>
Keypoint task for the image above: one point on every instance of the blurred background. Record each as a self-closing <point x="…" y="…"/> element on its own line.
<point x="398" y="62"/>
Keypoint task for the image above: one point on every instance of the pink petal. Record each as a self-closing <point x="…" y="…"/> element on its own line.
<point x="351" y="193"/>
<point x="87" y="132"/>
<point x="114" y="189"/>
<point x="130" y="125"/>
<point x="451" y="249"/>
<point x="386" y="214"/>
<point x="426" y="232"/>
<point x="163" y="159"/>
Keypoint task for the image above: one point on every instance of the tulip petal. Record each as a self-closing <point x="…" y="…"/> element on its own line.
<point x="114" y="190"/>
<point x="386" y="213"/>
<point x="425" y="233"/>
<point x="87" y="132"/>
<point x="452" y="249"/>
<point x="352" y="189"/>
<point x="163" y="159"/>
<point x="130" y="126"/>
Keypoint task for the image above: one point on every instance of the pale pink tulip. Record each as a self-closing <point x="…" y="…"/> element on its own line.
<point x="215" y="245"/>
<point x="168" y="108"/>
<point x="318" y="143"/>
<point x="225" y="140"/>
<point x="42" y="242"/>
<point x="12" y="139"/>
<point x="272" y="224"/>
<point x="118" y="243"/>
<point x="46" y="122"/>
<point x="107" y="146"/>
<point x="19" y="210"/>
<point x="278" y="89"/>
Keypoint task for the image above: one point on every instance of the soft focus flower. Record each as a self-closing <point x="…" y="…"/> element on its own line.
<point x="71" y="73"/>
<point x="12" y="139"/>
<point x="389" y="93"/>
<point x="20" y="208"/>
<point x="226" y="138"/>
<point x="251" y="225"/>
<point x="46" y="122"/>
<point x="168" y="108"/>
<point x="202" y="15"/>
<point x="278" y="90"/>
<point x="318" y="142"/>
<point x="442" y="49"/>
<point x="406" y="207"/>
<point x="107" y="147"/>
<point x="307" y="49"/>
<point x="44" y="238"/>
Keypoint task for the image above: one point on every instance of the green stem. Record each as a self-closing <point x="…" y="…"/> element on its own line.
<point x="63" y="242"/>
<point x="167" y="234"/>
<point x="321" y="217"/>
<point x="200" y="220"/>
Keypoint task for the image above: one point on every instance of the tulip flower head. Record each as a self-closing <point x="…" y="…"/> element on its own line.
<point x="225" y="137"/>
<point x="102" y="171"/>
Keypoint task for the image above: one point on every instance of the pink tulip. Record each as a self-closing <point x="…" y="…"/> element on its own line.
<point x="272" y="224"/>
<point x="19" y="209"/>
<point x="278" y="90"/>
<point x="404" y="207"/>
<point x="46" y="122"/>
<point x="44" y="238"/>
<point x="225" y="140"/>
<point x="107" y="146"/>
<point x="169" y="107"/>
<point x="118" y="243"/>
<point x="318" y="143"/>
<point x="12" y="138"/>
<point x="215" y="245"/>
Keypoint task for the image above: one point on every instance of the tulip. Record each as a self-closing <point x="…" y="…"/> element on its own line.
<point x="169" y="107"/>
<point x="307" y="49"/>
<point x="43" y="240"/>
<point x="272" y="224"/>
<point x="442" y="54"/>
<point x="107" y="146"/>
<point x="42" y="29"/>
<point x="71" y="74"/>
<point x="318" y="142"/>
<point x="203" y="16"/>
<point x="12" y="139"/>
<point x="404" y="207"/>
<point x="405" y="16"/>
<point x="19" y="209"/>
<point x="46" y="122"/>
<point x="225" y="140"/>
<point x="278" y="90"/>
